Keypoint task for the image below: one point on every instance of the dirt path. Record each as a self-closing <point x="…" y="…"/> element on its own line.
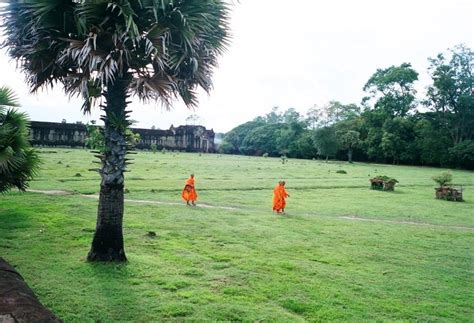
<point x="203" y="205"/>
<point x="96" y="197"/>
<point x="51" y="192"/>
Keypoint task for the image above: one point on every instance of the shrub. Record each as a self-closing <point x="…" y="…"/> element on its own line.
<point x="383" y="183"/>
<point x="265" y="155"/>
<point x="443" y="179"/>
<point x="153" y="148"/>
<point x="444" y="191"/>
<point x="95" y="137"/>
<point x="341" y="171"/>
<point x="449" y="194"/>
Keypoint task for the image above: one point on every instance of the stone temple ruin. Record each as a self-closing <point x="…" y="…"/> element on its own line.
<point x="184" y="138"/>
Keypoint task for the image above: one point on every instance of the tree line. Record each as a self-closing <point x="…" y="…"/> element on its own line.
<point x="390" y="125"/>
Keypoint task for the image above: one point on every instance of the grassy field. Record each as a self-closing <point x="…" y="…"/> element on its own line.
<point x="342" y="252"/>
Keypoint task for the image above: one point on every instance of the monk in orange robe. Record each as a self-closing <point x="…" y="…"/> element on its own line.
<point x="189" y="192"/>
<point x="279" y="196"/>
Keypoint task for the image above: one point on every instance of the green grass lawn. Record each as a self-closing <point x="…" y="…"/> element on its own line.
<point x="412" y="261"/>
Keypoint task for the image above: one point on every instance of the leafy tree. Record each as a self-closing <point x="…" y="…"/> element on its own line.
<point x="232" y="141"/>
<point x="304" y="146"/>
<point x="250" y="138"/>
<point x="392" y="89"/>
<point x="326" y="141"/>
<point x="313" y="117"/>
<point x="348" y="140"/>
<point x="107" y="51"/>
<point x="371" y="133"/>
<point x="398" y="139"/>
<point x="227" y="148"/>
<point x="331" y="113"/>
<point x="431" y="143"/>
<point x="291" y="130"/>
<point x="462" y="154"/>
<point x="335" y="112"/>
<point x="18" y="161"/>
<point x="274" y="116"/>
<point x="452" y="94"/>
<point x="261" y="140"/>
<point x="389" y="128"/>
<point x="340" y="112"/>
<point x="394" y="95"/>
<point x="291" y="116"/>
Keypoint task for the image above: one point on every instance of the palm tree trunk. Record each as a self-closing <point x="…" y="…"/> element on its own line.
<point x="107" y="244"/>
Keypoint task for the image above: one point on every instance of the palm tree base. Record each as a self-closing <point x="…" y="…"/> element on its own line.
<point x="108" y="257"/>
<point x="100" y="252"/>
<point x="107" y="244"/>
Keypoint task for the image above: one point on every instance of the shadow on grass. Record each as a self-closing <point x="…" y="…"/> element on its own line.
<point x="14" y="219"/>
<point x="113" y="289"/>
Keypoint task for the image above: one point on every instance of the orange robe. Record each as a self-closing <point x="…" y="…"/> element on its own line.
<point x="279" y="195"/>
<point x="189" y="192"/>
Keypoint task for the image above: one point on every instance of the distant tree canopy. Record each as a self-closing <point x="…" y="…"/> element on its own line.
<point x="387" y="127"/>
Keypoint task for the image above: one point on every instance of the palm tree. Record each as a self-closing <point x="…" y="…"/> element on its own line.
<point x="108" y="50"/>
<point x="18" y="161"/>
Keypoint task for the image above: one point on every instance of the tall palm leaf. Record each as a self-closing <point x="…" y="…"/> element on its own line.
<point x="108" y="50"/>
<point x="18" y="161"/>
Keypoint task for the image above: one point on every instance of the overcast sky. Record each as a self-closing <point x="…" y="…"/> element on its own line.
<point x="292" y="54"/>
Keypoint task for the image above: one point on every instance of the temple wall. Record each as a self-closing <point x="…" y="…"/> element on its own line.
<point x="185" y="138"/>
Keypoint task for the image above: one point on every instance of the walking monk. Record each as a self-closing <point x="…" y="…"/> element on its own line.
<point x="189" y="192"/>
<point x="279" y="196"/>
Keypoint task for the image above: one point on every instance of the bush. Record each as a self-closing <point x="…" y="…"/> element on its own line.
<point x="95" y="137"/>
<point x="341" y="171"/>
<point x="383" y="183"/>
<point x="153" y="148"/>
<point x="227" y="148"/>
<point x="265" y="155"/>
<point x="449" y="194"/>
<point x="443" y="179"/>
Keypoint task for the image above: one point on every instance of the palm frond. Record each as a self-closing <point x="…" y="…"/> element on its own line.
<point x="8" y="97"/>
<point x="168" y="47"/>
<point x="18" y="161"/>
